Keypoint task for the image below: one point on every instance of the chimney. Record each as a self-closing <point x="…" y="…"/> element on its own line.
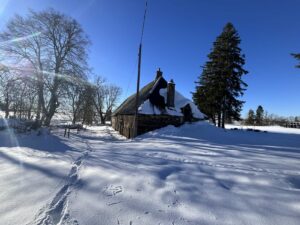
<point x="171" y="94"/>
<point x="158" y="74"/>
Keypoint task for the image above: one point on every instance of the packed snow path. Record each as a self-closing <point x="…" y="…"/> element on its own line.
<point x="195" y="174"/>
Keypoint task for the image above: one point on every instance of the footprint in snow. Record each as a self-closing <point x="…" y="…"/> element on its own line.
<point x="112" y="190"/>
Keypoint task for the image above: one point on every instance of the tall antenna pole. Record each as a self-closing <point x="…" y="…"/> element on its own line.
<point x="138" y="78"/>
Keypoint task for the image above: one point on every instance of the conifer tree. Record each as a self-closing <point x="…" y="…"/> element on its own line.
<point x="297" y="56"/>
<point x="220" y="84"/>
<point x="250" y="118"/>
<point x="259" y="115"/>
<point x="204" y="96"/>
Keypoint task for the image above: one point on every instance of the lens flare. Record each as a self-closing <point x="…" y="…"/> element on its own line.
<point x="12" y="138"/>
<point x="28" y="70"/>
<point x="3" y="5"/>
<point x="20" y="39"/>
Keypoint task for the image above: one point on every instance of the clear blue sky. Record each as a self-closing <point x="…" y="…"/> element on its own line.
<point x="179" y="35"/>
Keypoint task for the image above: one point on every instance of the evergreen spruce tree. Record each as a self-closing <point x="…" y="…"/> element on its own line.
<point x="220" y="85"/>
<point x="259" y="115"/>
<point x="204" y="96"/>
<point x="297" y="56"/>
<point x="250" y="118"/>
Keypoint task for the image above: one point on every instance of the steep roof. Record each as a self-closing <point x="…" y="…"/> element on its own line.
<point x="152" y="101"/>
<point x="128" y="106"/>
<point x="180" y="102"/>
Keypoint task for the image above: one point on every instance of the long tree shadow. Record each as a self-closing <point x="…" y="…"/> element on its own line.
<point x="30" y="166"/>
<point x="215" y="170"/>
<point x="46" y="142"/>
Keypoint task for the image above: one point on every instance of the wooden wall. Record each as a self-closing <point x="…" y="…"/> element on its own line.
<point x="124" y="123"/>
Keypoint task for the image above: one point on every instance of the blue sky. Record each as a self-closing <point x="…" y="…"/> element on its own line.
<point x="179" y="35"/>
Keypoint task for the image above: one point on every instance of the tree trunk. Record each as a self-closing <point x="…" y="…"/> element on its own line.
<point x="38" y="110"/>
<point x="223" y="119"/>
<point x="219" y="119"/>
<point x="6" y="112"/>
<point x="74" y="119"/>
<point x="41" y="101"/>
<point x="53" y="103"/>
<point x="74" y="110"/>
<point x="29" y="114"/>
<point x="20" y="111"/>
<point x="6" y="106"/>
<point x="214" y="119"/>
<point x="102" y="118"/>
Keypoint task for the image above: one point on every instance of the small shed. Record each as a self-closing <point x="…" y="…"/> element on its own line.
<point x="159" y="105"/>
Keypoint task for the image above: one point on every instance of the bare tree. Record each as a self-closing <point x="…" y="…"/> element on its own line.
<point x="17" y="92"/>
<point x="25" y="96"/>
<point x="7" y="84"/>
<point x="99" y="89"/>
<point x="106" y="97"/>
<point x="88" y="112"/>
<point x="55" y="46"/>
<point x="75" y="94"/>
<point x="112" y="95"/>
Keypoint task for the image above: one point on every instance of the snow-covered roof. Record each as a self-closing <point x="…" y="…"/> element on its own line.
<point x="128" y="106"/>
<point x="179" y="102"/>
<point x="146" y="107"/>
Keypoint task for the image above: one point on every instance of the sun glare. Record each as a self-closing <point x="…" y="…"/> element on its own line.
<point x="3" y="5"/>
<point x="12" y="137"/>
<point x="20" y="39"/>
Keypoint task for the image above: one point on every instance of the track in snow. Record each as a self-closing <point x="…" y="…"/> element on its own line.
<point x="56" y="212"/>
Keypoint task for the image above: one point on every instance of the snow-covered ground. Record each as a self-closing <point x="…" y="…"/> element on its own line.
<point x="195" y="174"/>
<point x="273" y="129"/>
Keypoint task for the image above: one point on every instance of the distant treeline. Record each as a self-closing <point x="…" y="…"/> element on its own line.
<point x="262" y="118"/>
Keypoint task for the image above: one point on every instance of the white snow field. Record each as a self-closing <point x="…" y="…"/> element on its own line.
<point x="273" y="129"/>
<point x="193" y="175"/>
